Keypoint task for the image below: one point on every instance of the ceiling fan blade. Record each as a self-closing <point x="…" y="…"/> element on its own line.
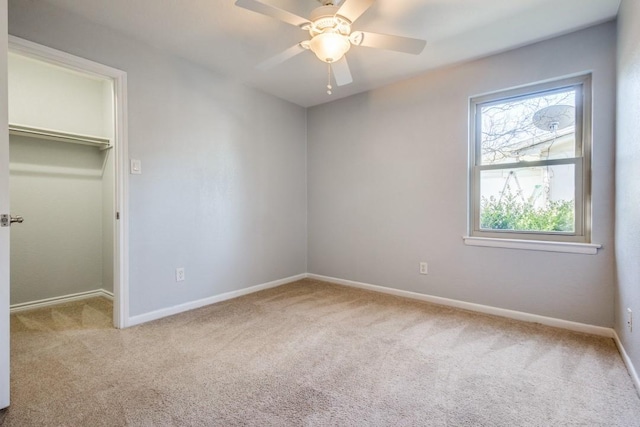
<point x="352" y="9"/>
<point x="272" y="11"/>
<point x="385" y="41"/>
<point x="341" y="72"/>
<point x="281" y="57"/>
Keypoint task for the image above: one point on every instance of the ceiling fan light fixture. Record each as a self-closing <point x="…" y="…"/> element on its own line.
<point x="330" y="47"/>
<point x="330" y="35"/>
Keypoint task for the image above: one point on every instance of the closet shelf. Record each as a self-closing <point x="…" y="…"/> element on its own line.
<point x="54" y="135"/>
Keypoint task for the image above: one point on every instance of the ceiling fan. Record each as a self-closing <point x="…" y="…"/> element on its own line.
<point x="331" y="37"/>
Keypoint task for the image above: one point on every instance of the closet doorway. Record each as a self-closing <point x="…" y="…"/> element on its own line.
<point x="67" y="183"/>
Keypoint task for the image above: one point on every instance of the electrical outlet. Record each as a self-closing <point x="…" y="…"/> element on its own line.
<point x="179" y="274"/>
<point x="630" y="319"/>
<point x="424" y="268"/>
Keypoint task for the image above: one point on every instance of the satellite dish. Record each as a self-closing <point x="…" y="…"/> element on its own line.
<point x="554" y="117"/>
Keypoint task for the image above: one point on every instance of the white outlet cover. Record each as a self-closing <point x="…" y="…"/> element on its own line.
<point x="424" y="268"/>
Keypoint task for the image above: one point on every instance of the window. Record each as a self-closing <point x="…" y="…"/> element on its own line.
<point x="530" y="163"/>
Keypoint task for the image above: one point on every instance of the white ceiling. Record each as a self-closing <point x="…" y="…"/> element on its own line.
<point x="232" y="41"/>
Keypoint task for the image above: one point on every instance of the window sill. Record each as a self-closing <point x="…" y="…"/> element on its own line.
<point x="534" y="245"/>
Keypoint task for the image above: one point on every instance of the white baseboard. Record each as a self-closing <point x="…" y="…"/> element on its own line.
<point x="627" y="361"/>
<point x="60" y="300"/>
<point x="170" y="311"/>
<point x="106" y="294"/>
<point x="502" y="312"/>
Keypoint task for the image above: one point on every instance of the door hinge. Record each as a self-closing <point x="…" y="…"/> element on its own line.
<point x="4" y="220"/>
<point x="117" y="215"/>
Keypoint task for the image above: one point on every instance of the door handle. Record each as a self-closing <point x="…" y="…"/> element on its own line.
<point x="6" y="220"/>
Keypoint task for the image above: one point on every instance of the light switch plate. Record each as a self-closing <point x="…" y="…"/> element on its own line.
<point x="136" y="167"/>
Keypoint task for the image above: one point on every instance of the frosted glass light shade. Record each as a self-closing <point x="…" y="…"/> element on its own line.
<point x="329" y="47"/>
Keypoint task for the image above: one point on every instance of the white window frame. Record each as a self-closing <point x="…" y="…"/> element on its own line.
<point x="578" y="241"/>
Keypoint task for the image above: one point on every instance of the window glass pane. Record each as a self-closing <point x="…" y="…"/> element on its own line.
<point x="538" y="127"/>
<point x="528" y="199"/>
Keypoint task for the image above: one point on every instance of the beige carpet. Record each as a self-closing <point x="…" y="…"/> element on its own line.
<point x="311" y="354"/>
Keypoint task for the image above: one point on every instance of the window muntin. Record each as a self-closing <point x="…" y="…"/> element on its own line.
<point x="529" y="162"/>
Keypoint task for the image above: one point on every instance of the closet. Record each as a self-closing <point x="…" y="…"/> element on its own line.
<point x="62" y="182"/>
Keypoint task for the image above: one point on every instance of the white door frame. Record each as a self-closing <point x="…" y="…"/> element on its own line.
<point x="121" y="226"/>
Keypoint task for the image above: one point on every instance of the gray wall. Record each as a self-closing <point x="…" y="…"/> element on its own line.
<point x="108" y="193"/>
<point x="46" y="96"/>
<point x="223" y="190"/>
<point x="628" y="178"/>
<point x="57" y="188"/>
<point x="108" y="220"/>
<point x="387" y="174"/>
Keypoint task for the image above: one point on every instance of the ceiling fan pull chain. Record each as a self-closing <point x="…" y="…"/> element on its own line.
<point x="329" y="79"/>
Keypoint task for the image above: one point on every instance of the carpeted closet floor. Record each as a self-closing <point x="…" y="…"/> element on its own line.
<point x="311" y="354"/>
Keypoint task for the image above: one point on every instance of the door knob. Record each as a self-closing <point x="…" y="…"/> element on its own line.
<point x="6" y="220"/>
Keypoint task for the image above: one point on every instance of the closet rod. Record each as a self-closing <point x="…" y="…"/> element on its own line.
<point x="95" y="141"/>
